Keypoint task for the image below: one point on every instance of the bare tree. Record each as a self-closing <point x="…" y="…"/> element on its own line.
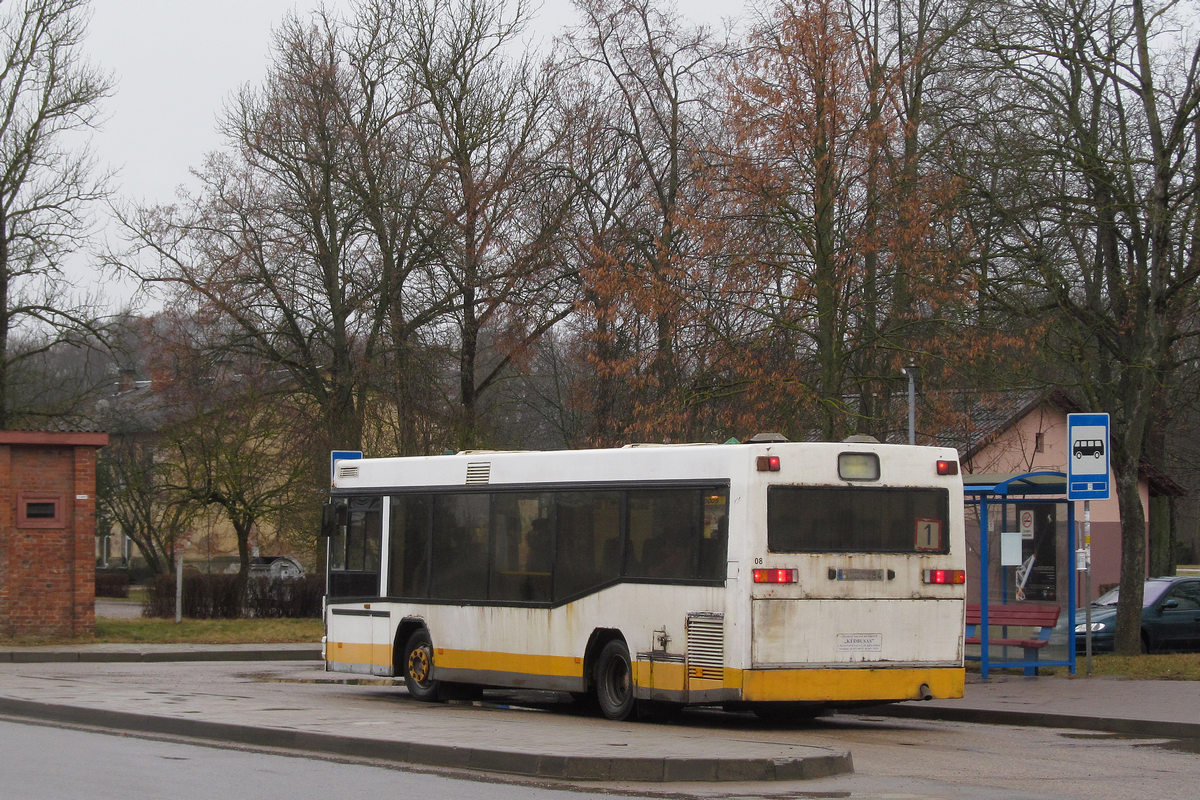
<point x="272" y="244"/>
<point x="387" y="198"/>
<point x="134" y="493"/>
<point x="846" y="256"/>
<point x="645" y="87"/>
<point x="231" y="442"/>
<point x="49" y="96"/>
<point x="501" y="199"/>
<point x="393" y="177"/>
<point x="1092" y="187"/>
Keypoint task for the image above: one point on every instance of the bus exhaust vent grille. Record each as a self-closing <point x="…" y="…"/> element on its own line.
<point x="347" y="472"/>
<point x="706" y="646"/>
<point x="479" y="472"/>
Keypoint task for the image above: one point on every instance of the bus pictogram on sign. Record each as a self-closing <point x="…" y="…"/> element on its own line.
<point x="1088" y="475"/>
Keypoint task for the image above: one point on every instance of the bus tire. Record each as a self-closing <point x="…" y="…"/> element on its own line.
<point x="614" y="681"/>
<point x="418" y="667"/>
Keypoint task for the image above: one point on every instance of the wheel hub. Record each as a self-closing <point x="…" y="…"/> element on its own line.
<point x="418" y="665"/>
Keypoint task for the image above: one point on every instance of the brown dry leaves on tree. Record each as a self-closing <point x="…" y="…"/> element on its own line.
<point x="842" y="244"/>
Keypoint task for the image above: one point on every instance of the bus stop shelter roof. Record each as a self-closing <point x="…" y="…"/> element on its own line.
<point x="1015" y="483"/>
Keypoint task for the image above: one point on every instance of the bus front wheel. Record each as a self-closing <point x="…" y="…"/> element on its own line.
<point x="418" y="666"/>
<point x="614" y="681"/>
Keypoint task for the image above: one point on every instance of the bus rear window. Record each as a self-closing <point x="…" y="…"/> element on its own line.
<point x="858" y="519"/>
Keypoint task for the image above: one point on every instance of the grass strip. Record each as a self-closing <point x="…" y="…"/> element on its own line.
<point x="189" y="631"/>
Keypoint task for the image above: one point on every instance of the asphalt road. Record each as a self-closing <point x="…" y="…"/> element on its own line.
<point x="894" y="761"/>
<point x="49" y="763"/>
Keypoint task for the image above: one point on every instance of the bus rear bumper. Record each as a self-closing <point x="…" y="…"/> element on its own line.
<point x="863" y="685"/>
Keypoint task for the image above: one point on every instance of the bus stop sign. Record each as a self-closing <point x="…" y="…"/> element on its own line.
<point x="1088" y="473"/>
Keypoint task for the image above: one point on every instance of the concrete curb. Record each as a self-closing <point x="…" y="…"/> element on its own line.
<point x="1038" y="719"/>
<point x="510" y="762"/>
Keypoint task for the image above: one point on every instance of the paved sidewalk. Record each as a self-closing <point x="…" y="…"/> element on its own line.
<point x="1167" y="709"/>
<point x="295" y="705"/>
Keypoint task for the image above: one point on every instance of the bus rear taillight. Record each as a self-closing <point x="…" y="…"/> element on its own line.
<point x="775" y="576"/>
<point x="767" y="463"/>
<point x="947" y="467"/>
<point x="944" y="576"/>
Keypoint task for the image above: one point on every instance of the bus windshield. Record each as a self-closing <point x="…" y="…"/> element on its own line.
<point x="837" y="519"/>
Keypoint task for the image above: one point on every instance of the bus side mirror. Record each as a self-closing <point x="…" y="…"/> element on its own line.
<point x="333" y="518"/>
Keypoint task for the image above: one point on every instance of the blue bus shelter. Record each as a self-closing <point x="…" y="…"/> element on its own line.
<point x="999" y="494"/>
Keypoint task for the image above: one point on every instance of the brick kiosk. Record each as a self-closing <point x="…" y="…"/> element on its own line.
<point x="47" y="532"/>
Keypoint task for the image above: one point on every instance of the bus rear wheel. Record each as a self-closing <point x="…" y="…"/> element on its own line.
<point x="614" y="681"/>
<point x="418" y="667"/>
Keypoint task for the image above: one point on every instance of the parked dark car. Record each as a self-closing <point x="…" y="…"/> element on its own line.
<point x="1170" y="617"/>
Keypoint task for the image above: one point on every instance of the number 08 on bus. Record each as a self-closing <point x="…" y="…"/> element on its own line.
<point x="768" y="575"/>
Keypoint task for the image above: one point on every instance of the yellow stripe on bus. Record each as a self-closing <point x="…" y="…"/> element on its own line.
<point x="381" y="655"/>
<point x="359" y="653"/>
<point x="767" y="685"/>
<point x="557" y="666"/>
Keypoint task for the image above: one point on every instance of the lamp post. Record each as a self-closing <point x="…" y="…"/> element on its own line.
<point x="911" y="373"/>
<point x="179" y="579"/>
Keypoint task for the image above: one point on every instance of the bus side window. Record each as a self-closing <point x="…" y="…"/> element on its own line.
<point x="713" y="544"/>
<point x="408" y="559"/>
<point x="588" y="550"/>
<point x="664" y="534"/>
<point x="337" y="541"/>
<point x="354" y="550"/>
<point x="523" y="550"/>
<point x="460" y="546"/>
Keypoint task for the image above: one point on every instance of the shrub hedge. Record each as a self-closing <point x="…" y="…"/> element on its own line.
<point x="112" y="583"/>
<point x="216" y="597"/>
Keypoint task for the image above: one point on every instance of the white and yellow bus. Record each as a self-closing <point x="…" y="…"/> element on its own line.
<point x="766" y="575"/>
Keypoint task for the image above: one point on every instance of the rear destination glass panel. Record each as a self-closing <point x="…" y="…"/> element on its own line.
<point x="837" y="519"/>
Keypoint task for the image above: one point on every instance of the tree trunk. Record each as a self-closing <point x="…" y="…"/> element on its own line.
<point x="1133" y="555"/>
<point x="1162" y="536"/>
